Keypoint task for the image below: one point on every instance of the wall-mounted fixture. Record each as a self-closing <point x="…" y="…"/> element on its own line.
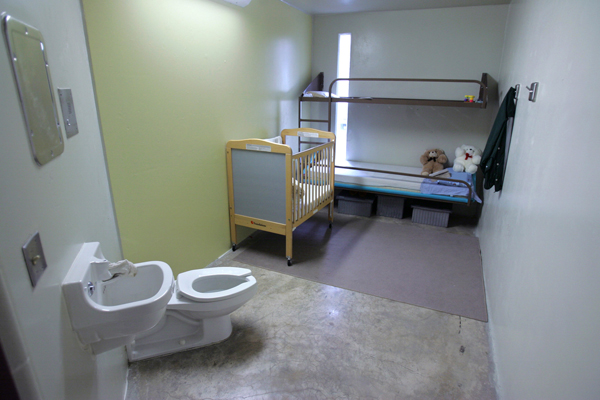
<point x="32" y="74"/>
<point x="241" y="3"/>
<point x="68" y="111"/>
<point x="33" y="253"/>
<point x="532" y="91"/>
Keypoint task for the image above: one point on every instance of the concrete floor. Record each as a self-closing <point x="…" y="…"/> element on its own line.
<point x="298" y="339"/>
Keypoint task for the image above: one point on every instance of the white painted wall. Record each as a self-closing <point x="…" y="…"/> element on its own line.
<point x="539" y="236"/>
<point x="449" y="43"/>
<point x="68" y="201"/>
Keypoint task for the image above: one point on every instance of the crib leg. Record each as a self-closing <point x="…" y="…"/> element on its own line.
<point x="288" y="248"/>
<point x="233" y="233"/>
<point x="330" y="214"/>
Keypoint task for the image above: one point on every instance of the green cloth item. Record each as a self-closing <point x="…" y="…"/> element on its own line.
<point x="494" y="155"/>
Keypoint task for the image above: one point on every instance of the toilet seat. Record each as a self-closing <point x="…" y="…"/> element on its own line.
<point x="229" y="281"/>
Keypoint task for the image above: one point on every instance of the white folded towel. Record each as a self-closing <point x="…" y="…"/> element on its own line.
<point x="123" y="267"/>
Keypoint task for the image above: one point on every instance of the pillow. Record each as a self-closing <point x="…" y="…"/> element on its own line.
<point x="316" y="93"/>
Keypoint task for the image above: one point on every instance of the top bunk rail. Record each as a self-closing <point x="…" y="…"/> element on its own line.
<point x="330" y="98"/>
<point x="317" y="85"/>
<point x="480" y="103"/>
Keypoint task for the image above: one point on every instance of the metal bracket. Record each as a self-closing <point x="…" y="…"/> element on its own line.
<point x="533" y="91"/>
<point x="68" y="111"/>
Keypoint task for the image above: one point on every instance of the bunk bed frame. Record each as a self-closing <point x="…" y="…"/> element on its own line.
<point x="317" y="85"/>
<point x="405" y="193"/>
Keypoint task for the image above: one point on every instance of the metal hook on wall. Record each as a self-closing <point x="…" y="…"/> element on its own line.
<point x="533" y="91"/>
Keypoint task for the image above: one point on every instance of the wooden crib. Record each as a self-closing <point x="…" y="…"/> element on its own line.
<point x="275" y="189"/>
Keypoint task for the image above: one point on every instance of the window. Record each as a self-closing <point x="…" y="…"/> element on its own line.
<point x="342" y="89"/>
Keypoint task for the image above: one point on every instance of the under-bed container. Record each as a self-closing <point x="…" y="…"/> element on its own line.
<point x="390" y="206"/>
<point x="430" y="216"/>
<point x="355" y="205"/>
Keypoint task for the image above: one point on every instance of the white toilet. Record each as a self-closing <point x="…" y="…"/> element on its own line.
<point x="198" y="313"/>
<point x="142" y="307"/>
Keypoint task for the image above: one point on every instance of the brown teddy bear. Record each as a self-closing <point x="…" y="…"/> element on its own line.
<point x="433" y="160"/>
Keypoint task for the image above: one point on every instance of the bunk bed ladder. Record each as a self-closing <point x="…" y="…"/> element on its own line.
<point x="315" y="85"/>
<point x="301" y="120"/>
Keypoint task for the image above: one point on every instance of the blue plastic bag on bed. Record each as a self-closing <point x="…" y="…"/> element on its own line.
<point x="449" y="188"/>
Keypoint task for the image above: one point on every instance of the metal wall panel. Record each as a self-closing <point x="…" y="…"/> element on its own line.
<point x="259" y="184"/>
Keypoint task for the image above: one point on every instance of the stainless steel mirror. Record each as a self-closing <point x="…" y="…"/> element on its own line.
<point x="32" y="73"/>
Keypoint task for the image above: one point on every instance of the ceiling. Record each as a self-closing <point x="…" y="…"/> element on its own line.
<point x="316" y="7"/>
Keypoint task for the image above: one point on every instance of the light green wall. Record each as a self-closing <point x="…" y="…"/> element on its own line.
<point x="175" y="81"/>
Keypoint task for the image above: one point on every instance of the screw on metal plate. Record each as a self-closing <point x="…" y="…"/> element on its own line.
<point x="33" y="253"/>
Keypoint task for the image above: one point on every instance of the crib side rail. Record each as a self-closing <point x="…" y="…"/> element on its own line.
<point x="312" y="180"/>
<point x="306" y="136"/>
<point x="258" y="145"/>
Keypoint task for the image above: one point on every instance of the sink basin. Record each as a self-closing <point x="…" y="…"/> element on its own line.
<point x="108" y="313"/>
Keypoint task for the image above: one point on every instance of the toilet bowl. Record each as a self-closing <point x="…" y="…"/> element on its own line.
<point x="198" y="312"/>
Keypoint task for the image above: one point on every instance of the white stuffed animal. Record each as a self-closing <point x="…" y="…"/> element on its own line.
<point x="467" y="159"/>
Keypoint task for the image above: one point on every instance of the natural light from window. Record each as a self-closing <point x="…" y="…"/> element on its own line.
<point x="342" y="88"/>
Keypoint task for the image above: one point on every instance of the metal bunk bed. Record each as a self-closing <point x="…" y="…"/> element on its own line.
<point x="317" y="85"/>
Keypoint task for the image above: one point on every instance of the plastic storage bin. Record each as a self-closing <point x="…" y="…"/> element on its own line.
<point x="355" y="205"/>
<point x="390" y="206"/>
<point x="430" y="216"/>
